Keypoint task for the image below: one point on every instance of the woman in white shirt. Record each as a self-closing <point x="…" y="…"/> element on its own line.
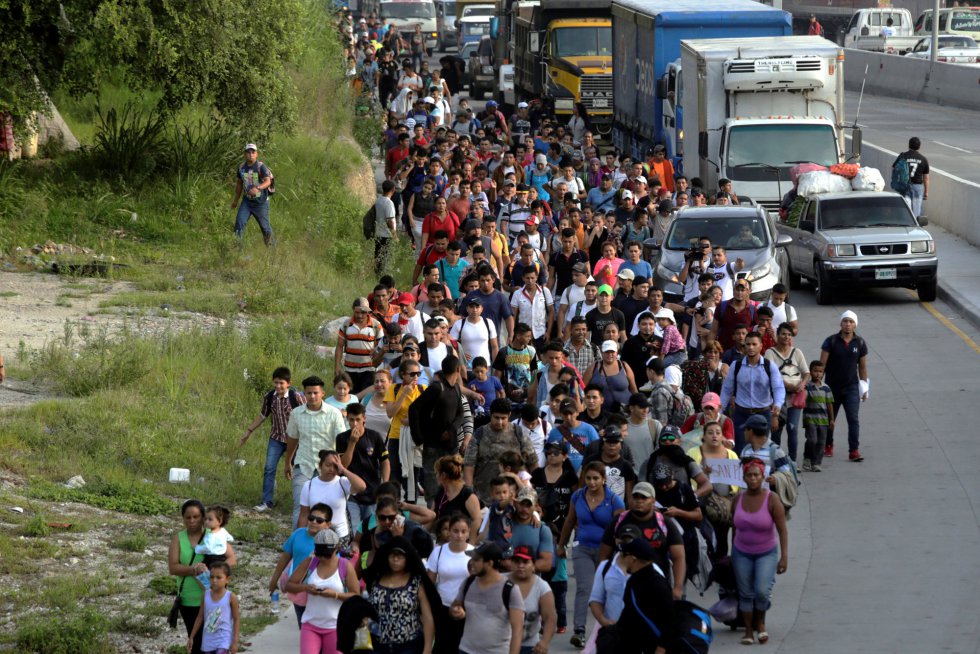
<point x="477" y="336"/>
<point x="333" y="487"/>
<point x="447" y="566"/>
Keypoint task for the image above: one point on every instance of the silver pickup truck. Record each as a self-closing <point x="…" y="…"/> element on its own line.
<point x="858" y="240"/>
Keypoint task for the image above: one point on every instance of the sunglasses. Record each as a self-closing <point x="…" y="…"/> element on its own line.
<point x="386" y="518"/>
<point x="413" y="374"/>
<point x="668" y="439"/>
<point x="318" y="520"/>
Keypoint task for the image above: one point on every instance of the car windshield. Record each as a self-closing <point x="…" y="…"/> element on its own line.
<point x="745" y="233"/>
<point x="883" y="211"/>
<point x="965" y="21"/>
<point x="471" y="29"/>
<point x="955" y="42"/>
<point x="468" y="49"/>
<point x="583" y="41"/>
<point x="479" y="10"/>
<point x="403" y="10"/>
<point x="777" y="145"/>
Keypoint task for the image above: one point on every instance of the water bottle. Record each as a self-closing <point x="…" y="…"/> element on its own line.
<point x="274" y="602"/>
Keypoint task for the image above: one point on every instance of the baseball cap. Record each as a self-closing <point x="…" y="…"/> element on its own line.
<point x="640" y="180"/>
<point x="522" y="105"/>
<point x="492" y="104"/>
<point x="540" y="159"/>
<point x="757" y="423"/>
<point x="405" y="298"/>
<point x="361" y="304"/>
<point x="627" y="195"/>
<point x="670" y="430"/>
<point x="410" y="123"/>
<point x="640" y="400"/>
<point x="522" y="552"/>
<point x="711" y="399"/>
<point x="581" y="267"/>
<point x="566" y="406"/>
<point x="578" y="155"/>
<point x="556" y="446"/>
<point x="532" y="220"/>
<point x="610" y="346"/>
<point x="475" y="300"/>
<point x="522" y="188"/>
<point x="626" y="273"/>
<point x="441" y="320"/>
<point x="612" y="434"/>
<point x="411" y="345"/>
<point x="428" y="100"/>
<point x="628" y="531"/>
<point x="488" y="551"/>
<point x="645" y="489"/>
<point x="510" y="182"/>
<point x="640" y="548"/>
<point x="605" y="288"/>
<point x="662" y="473"/>
<point x="250" y="146"/>
<point x="327" y="537"/>
<point x="527" y="494"/>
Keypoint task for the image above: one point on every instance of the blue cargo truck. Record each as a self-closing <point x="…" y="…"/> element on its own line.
<point x="647" y="35"/>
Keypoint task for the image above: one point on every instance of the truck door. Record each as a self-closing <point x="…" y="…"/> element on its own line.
<point x="804" y="245"/>
<point x="669" y="104"/>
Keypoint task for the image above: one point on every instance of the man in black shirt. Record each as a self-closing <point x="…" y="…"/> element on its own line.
<point x="647" y="601"/>
<point x="638" y="349"/>
<point x="844" y="356"/>
<point x="918" y="176"/>
<point x="363" y="452"/>
<point x="603" y="314"/>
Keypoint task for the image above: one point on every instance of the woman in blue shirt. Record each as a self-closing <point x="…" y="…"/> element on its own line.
<point x="593" y="507"/>
<point x="297" y="547"/>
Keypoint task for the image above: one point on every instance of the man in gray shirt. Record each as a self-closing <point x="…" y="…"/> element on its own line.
<point x="481" y="598"/>
<point x="385" y="230"/>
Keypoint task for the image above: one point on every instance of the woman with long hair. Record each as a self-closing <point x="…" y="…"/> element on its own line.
<point x="448" y="569"/>
<point x="400" y="590"/>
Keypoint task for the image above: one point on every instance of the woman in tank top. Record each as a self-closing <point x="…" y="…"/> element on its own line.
<point x="758" y="518"/>
<point x="453" y="495"/>
<point x="613" y="375"/>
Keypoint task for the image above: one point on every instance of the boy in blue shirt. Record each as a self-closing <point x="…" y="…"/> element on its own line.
<point x="489" y="387"/>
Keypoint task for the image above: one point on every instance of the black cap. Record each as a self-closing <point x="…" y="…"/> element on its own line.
<point x="639" y="399"/>
<point x="640" y="548"/>
<point x="612" y="434"/>
<point x="566" y="406"/>
<point x="489" y="551"/>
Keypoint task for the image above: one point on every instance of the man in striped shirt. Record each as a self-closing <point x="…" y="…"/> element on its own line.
<point x="358" y="351"/>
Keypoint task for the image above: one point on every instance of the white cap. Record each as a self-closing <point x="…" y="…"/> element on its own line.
<point x="250" y="146"/>
<point x="428" y="100"/>
<point x="610" y="346"/>
<point x="850" y="314"/>
<point x="673" y="376"/>
<point x="640" y="180"/>
<point x="627" y="195"/>
<point x="522" y="105"/>
<point x="540" y="158"/>
<point x="626" y="273"/>
<point x="665" y="313"/>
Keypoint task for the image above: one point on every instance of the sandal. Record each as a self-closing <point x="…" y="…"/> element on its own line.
<point x="763" y="637"/>
<point x="748" y="640"/>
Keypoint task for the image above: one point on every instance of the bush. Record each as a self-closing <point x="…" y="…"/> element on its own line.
<point x="36" y="527"/>
<point x="136" y="498"/>
<point x="206" y="147"/>
<point x="130" y="144"/>
<point x="165" y="585"/>
<point x="99" y="364"/>
<point x="85" y="631"/>
<point x="137" y="541"/>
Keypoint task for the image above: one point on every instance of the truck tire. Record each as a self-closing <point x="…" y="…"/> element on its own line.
<point x="823" y="292"/>
<point x="927" y="291"/>
<point x="476" y="92"/>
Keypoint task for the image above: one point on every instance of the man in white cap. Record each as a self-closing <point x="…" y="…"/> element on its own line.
<point x="254" y="181"/>
<point x="845" y="359"/>
<point x="520" y="124"/>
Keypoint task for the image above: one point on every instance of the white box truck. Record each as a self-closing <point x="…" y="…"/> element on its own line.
<point x="760" y="106"/>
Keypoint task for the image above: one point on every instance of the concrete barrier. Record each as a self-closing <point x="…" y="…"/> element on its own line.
<point x="955" y="85"/>
<point x="953" y="204"/>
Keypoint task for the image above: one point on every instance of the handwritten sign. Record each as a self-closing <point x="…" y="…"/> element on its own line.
<point x="729" y="471"/>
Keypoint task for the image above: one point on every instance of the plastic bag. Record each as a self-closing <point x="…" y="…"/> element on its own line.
<point x="799" y="169"/>
<point x="868" y="179"/>
<point x="848" y="170"/>
<point x="724" y="610"/>
<point x="821" y="181"/>
<point x="362" y="637"/>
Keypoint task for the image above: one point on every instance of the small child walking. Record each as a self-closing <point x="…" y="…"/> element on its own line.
<point x="818" y="417"/>
<point x="673" y="351"/>
<point x="214" y="545"/>
<point x="219" y="616"/>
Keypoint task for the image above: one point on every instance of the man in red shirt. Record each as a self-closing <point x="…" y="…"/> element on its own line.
<point x="661" y="167"/>
<point x="815" y="28"/>
<point x="397" y="154"/>
<point x="740" y="310"/>
<point x="431" y="253"/>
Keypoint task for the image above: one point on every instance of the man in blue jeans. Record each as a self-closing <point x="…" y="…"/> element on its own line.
<point x="844" y="356"/>
<point x="754" y="386"/>
<point x="277" y="404"/>
<point x="254" y="181"/>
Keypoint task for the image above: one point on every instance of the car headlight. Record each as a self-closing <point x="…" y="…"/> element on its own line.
<point x="488" y="70"/>
<point x="664" y="273"/>
<point x="841" y="250"/>
<point x="760" y="272"/>
<point x="923" y="247"/>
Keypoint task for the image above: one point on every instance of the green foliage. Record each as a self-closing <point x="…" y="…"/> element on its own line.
<point x="127" y="623"/>
<point x="23" y="555"/>
<point x="58" y="633"/>
<point x="165" y="585"/>
<point x="129" y="143"/>
<point x="203" y="147"/>
<point x="136" y="498"/>
<point x="36" y="527"/>
<point x="136" y="541"/>
<point x="254" y="530"/>
<point x="98" y="364"/>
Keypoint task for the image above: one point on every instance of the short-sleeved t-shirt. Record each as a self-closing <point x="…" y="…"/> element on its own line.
<point x="683" y="474"/>
<point x="299" y="545"/>
<point x="842" y="360"/>
<point x="496" y="306"/>
<point x="333" y="493"/>
<point x="650" y="529"/>
<point x="451" y="571"/>
<point x="370" y="453"/>
<point x="484" y="635"/>
<point x="584" y="432"/>
<point x="401" y="416"/>
<point x="596" y="322"/>
<point x="538" y="539"/>
<point x="488" y="389"/>
<point x="516" y="365"/>
<point x="617" y="474"/>
<point x="532" y="612"/>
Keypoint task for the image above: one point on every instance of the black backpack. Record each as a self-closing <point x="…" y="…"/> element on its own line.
<point x="508" y="585"/>
<point x="368" y="222"/>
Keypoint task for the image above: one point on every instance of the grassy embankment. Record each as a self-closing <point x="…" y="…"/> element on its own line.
<point x="139" y="406"/>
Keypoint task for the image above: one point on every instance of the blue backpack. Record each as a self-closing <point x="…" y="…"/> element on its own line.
<point x="901" y="176"/>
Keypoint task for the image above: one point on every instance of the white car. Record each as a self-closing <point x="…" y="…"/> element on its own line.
<point x="952" y="49"/>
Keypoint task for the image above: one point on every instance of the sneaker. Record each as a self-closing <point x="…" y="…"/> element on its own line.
<point x="855" y="456"/>
<point x="828" y="450"/>
<point x="578" y="641"/>
<point x="816" y="468"/>
<point x="807" y="466"/>
<point x="562" y="630"/>
<point x="261" y="508"/>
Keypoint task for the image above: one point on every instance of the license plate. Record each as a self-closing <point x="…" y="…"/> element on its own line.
<point x="885" y="273"/>
<point x="600" y="103"/>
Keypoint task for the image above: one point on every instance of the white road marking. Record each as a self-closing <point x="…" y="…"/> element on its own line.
<point x="952" y="146"/>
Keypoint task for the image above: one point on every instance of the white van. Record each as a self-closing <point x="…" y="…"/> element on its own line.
<point x="962" y="21"/>
<point x="404" y="15"/>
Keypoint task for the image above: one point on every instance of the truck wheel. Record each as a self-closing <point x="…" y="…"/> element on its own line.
<point x="927" y="291"/>
<point x="823" y="292"/>
<point x="476" y="92"/>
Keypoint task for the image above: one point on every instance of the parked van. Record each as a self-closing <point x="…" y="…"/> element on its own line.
<point x="962" y="21"/>
<point x="446" y="23"/>
<point x="404" y="15"/>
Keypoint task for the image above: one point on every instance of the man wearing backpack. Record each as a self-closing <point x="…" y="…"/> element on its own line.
<point x="481" y="459"/>
<point x="754" y="386"/>
<point x="253" y="187"/>
<point x="917" y="188"/>
<point x="740" y="310"/>
<point x="385" y="230"/>
<point x="648" y="620"/>
<point x="494" y="603"/>
<point x="277" y="404"/>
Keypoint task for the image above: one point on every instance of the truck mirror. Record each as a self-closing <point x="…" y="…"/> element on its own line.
<point x="703" y="145"/>
<point x="534" y="42"/>
<point x="857" y="139"/>
<point x="494" y="27"/>
<point x="661" y="89"/>
<point x="783" y="240"/>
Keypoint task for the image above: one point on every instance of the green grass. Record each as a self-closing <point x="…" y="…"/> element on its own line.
<point x="137" y="541"/>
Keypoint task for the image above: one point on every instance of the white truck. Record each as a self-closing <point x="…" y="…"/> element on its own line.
<point x="759" y="107"/>
<point x="870" y="29"/>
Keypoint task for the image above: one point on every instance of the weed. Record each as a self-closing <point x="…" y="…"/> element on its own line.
<point x="127" y="623"/>
<point x="114" y="496"/>
<point x="253" y="624"/>
<point x="165" y="585"/>
<point x="9" y="293"/>
<point x="129" y="142"/>
<point x="61" y="633"/>
<point x="137" y="541"/>
<point x="36" y="527"/>
<point x="254" y="530"/>
<point x="156" y="609"/>
<point x="23" y="555"/>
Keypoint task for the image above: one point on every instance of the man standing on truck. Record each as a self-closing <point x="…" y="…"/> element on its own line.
<point x="661" y="167"/>
<point x="918" y="176"/>
<point x="888" y="30"/>
<point x="815" y="28"/>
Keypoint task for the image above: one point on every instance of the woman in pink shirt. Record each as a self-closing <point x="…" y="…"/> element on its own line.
<point x="607" y="267"/>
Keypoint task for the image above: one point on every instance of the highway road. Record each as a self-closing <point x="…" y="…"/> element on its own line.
<point x="950" y="136"/>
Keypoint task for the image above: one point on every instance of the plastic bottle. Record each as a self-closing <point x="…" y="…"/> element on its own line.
<point x="274" y="601"/>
